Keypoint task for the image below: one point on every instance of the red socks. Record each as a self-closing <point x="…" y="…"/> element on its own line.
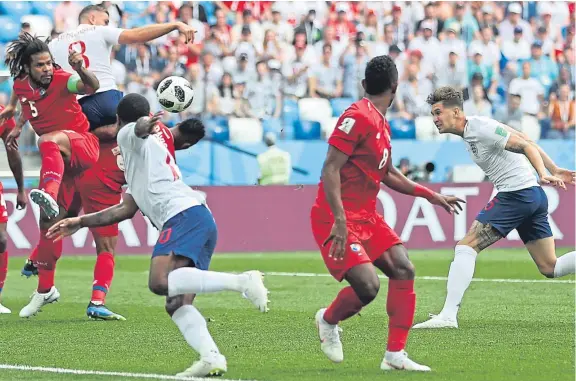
<point x="344" y="306"/>
<point x="103" y="274"/>
<point x="52" y="168"/>
<point x="400" y="306"/>
<point x="34" y="255"/>
<point x="48" y="254"/>
<point x="3" y="268"/>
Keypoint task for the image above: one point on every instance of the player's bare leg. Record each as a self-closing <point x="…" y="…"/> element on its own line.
<point x="364" y="286"/>
<point x="103" y="275"/>
<point x="3" y="264"/>
<point x="48" y="254"/>
<point x="479" y="237"/>
<point x="55" y="150"/>
<point x="400" y="306"/>
<point x="543" y="252"/>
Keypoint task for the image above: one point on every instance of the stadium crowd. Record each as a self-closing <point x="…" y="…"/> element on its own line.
<point x="257" y="60"/>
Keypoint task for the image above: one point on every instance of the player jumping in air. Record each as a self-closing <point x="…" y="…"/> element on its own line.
<point x="48" y="98"/>
<point x="352" y="236"/>
<point x="101" y="186"/>
<point x="15" y="163"/>
<point x="184" y="249"/>
<point x="520" y="203"/>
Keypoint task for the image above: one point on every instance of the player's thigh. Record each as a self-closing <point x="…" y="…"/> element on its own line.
<point x="354" y="255"/>
<point x="160" y="267"/>
<point x="3" y="221"/>
<point x="395" y="263"/>
<point x="175" y="302"/>
<point x="60" y="138"/>
<point x="100" y="108"/>
<point x="84" y="150"/>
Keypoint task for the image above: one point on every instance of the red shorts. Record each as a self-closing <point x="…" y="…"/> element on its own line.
<point x="367" y="241"/>
<point x="84" y="149"/>
<point x="3" y="210"/>
<point x="100" y="187"/>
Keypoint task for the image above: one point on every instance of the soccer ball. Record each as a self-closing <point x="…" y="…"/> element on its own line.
<point x="175" y="94"/>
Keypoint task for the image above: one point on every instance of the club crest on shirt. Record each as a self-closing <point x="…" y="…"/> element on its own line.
<point x="355" y="247"/>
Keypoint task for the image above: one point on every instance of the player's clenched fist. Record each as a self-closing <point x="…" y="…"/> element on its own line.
<point x="75" y="60"/>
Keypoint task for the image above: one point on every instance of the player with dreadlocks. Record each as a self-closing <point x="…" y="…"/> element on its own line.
<point x="47" y="95"/>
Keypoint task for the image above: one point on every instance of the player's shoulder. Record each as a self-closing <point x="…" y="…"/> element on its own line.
<point x="357" y="111"/>
<point x="477" y="124"/>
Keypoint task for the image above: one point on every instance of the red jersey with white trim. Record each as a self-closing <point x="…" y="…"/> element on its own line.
<point x="111" y="163"/>
<point x="51" y="109"/>
<point x="363" y="134"/>
<point x="8" y="125"/>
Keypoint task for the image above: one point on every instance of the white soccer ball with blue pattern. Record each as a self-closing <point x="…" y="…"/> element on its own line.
<point x="175" y="94"/>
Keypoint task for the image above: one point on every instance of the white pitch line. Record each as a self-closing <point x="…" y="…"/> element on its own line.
<point x="443" y="278"/>
<point x="27" y="368"/>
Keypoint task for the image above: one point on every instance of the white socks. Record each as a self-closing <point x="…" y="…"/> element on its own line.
<point x="193" y="327"/>
<point x="189" y="280"/>
<point x="459" y="278"/>
<point x="565" y="265"/>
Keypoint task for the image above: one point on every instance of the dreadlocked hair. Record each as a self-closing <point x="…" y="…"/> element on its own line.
<point x="19" y="53"/>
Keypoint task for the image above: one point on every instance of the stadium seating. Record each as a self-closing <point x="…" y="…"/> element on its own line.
<point x="531" y="127"/>
<point x="9" y="30"/>
<point x="136" y="7"/>
<point x="245" y="130"/>
<point x="307" y="130"/>
<point x="40" y="25"/>
<point x="315" y="109"/>
<point x="15" y="10"/>
<point x="328" y="126"/>
<point x="44" y="8"/>
<point x="402" y="129"/>
<point x="339" y="105"/>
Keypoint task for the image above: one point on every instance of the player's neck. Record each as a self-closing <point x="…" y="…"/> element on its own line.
<point x="381" y="103"/>
<point x="460" y="126"/>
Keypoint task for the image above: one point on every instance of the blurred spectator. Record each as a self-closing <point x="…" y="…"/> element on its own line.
<point x="563" y="79"/>
<point x="310" y="28"/>
<point x="283" y="30"/>
<point x="515" y="49"/>
<point x="295" y="73"/>
<point x="454" y="74"/>
<point x="562" y="115"/>
<point x="477" y="65"/>
<point x="514" y="20"/>
<point x="222" y="30"/>
<point x="222" y="99"/>
<point x="476" y="80"/>
<point x="329" y="38"/>
<point x="25" y="28"/>
<point x="275" y="164"/>
<point x="353" y="61"/>
<point x="344" y="29"/>
<point x="489" y="20"/>
<point x="511" y="114"/>
<point x="173" y="65"/>
<point x="543" y="37"/>
<point x="144" y="64"/>
<point x="542" y="67"/>
<point x="243" y="73"/>
<point x="412" y="94"/>
<point x="430" y="18"/>
<point x="468" y="25"/>
<point x="477" y="105"/>
<point x="452" y="43"/>
<point x="66" y="16"/>
<point x="379" y="48"/>
<point x="215" y="45"/>
<point x="194" y="15"/>
<point x="488" y="48"/>
<point x="404" y="166"/>
<point x="115" y="14"/>
<point x="200" y="87"/>
<point x="402" y="29"/>
<point x="428" y="44"/>
<point x="326" y="77"/>
<point x="118" y="70"/>
<point x="210" y="70"/>
<point x="530" y="90"/>
<point x="248" y="24"/>
<point x="261" y="100"/>
<point x="246" y="46"/>
<point x="371" y="27"/>
<point x="545" y="12"/>
<point x="272" y="48"/>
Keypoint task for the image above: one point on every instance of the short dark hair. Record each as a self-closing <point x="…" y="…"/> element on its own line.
<point x="193" y="128"/>
<point x="91" y="8"/>
<point x="381" y="75"/>
<point x="19" y="53"/>
<point x="448" y="96"/>
<point x="132" y="107"/>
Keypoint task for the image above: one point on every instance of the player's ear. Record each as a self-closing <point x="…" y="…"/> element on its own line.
<point x="364" y="84"/>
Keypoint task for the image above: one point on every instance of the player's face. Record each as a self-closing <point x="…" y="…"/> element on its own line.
<point x="41" y="68"/>
<point x="99" y="18"/>
<point x="443" y="117"/>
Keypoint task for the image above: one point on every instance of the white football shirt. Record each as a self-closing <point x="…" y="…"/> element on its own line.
<point x="95" y="43"/>
<point x="486" y="140"/>
<point x="154" y="179"/>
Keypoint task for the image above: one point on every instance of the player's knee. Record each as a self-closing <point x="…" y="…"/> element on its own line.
<point x="367" y="291"/>
<point x="3" y="241"/>
<point x="547" y="269"/>
<point x="173" y="303"/>
<point x="158" y="287"/>
<point x="404" y="270"/>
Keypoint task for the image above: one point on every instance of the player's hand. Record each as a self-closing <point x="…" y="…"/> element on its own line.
<point x="149" y="124"/>
<point x="21" y="200"/>
<point x="450" y="204"/>
<point x="187" y="31"/>
<point x="339" y="237"/>
<point x="75" y="60"/>
<point x="553" y="180"/>
<point x="7" y="113"/>
<point x="64" y="228"/>
<point x="566" y="175"/>
<point x="12" y="138"/>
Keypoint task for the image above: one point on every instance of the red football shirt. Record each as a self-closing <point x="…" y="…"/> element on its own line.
<point x="8" y="125"/>
<point x="363" y="134"/>
<point x="51" y="109"/>
<point x="111" y="166"/>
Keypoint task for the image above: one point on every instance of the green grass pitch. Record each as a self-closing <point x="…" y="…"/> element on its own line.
<point x="509" y="331"/>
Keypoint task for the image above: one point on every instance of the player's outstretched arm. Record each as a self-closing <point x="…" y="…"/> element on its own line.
<point x="335" y="160"/>
<point x="395" y="180"/>
<point x="117" y="213"/>
<point x="15" y="163"/>
<point x="517" y="144"/>
<point x="147" y="125"/>
<point x="152" y="32"/>
<point x="566" y="175"/>
<point x="86" y="82"/>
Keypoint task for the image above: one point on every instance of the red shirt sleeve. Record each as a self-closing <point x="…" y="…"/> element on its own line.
<point x="60" y="80"/>
<point x="349" y="132"/>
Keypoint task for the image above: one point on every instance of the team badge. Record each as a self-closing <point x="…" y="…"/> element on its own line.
<point x="355" y="247"/>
